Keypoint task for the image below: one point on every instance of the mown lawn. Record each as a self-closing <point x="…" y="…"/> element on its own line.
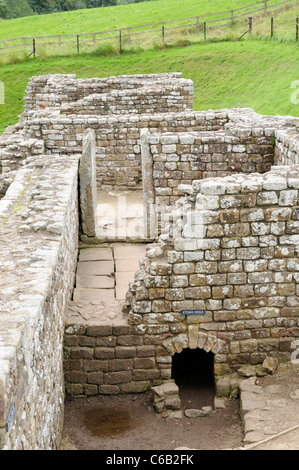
<point x="255" y="74"/>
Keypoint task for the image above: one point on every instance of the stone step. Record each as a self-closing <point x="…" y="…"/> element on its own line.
<point x="96" y="254"/>
<point x="95" y="282"/>
<point x="95" y="268"/>
<point x="90" y="295"/>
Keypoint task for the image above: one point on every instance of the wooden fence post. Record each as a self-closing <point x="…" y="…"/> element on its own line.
<point x="34" y="49"/>
<point x="163" y="34"/>
<point x="297" y="28"/>
<point x="272" y="27"/>
<point x="78" y="44"/>
<point x="205" y="31"/>
<point x="232" y="16"/>
<point x="250" y="25"/>
<point x="266" y="7"/>
<point x="120" y="49"/>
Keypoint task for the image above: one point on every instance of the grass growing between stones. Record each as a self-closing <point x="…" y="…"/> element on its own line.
<point x="255" y="74"/>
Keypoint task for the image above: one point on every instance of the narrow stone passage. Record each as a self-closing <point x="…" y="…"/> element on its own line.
<point x="105" y="273"/>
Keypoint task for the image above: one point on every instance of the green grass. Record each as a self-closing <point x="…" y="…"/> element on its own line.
<point x="249" y="73"/>
<point x="101" y="19"/>
<point x="255" y="74"/>
<point x="83" y="21"/>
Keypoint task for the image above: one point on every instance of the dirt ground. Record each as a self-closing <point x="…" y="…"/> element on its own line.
<point x="129" y="422"/>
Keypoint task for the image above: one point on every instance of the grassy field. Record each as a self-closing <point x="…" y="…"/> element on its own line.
<point x="256" y="74"/>
<point x="101" y="19"/>
<point x="228" y="73"/>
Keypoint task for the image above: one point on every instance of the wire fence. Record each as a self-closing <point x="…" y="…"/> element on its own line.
<point x="257" y="19"/>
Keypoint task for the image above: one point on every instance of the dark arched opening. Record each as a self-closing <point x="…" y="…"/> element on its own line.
<point x="193" y="372"/>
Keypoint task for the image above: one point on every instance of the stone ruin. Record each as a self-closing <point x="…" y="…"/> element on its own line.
<point x="213" y="261"/>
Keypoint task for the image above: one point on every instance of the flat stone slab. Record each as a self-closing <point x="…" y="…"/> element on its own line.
<point x="123" y="279"/>
<point x="120" y="292"/>
<point x="102" y="281"/>
<point x="96" y="254"/>
<point x="125" y="265"/>
<point x="80" y="293"/>
<point x="268" y="407"/>
<point x="95" y="282"/>
<point x="95" y="268"/>
<point x="287" y="441"/>
<point x="129" y="252"/>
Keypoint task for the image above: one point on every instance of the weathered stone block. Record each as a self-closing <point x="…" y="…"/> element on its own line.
<point x="161" y="306"/>
<point x="82" y="353"/>
<point x="104" y="353"/>
<point x="129" y="340"/>
<point x="95" y="377"/>
<point x="99" y="330"/>
<point x="113" y="378"/>
<point x="145" y="374"/>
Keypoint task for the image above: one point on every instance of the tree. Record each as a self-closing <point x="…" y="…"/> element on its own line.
<point x="18" y="8"/>
<point x="74" y="4"/>
<point x="3" y="9"/>
<point x="100" y="3"/>
<point x="45" y="6"/>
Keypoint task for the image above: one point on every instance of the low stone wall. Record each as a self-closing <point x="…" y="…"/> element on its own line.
<point x="108" y="359"/>
<point x="55" y="89"/>
<point x="231" y="254"/>
<point x="38" y="240"/>
<point x="286" y="148"/>
<point x="118" y="139"/>
<point x="143" y="100"/>
<point x="180" y="158"/>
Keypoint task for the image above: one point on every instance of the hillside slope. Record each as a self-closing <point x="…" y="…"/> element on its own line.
<point x="256" y="74"/>
<point x="101" y="19"/>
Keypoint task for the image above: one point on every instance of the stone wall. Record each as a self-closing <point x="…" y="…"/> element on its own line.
<point x="108" y="359"/>
<point x="38" y="239"/>
<point x="119" y="163"/>
<point x="177" y="159"/>
<point x="223" y="275"/>
<point x="286" y="148"/>
<point x="143" y="100"/>
<point x="232" y="252"/>
<point x="118" y="139"/>
<point x="59" y="108"/>
<point x="56" y="90"/>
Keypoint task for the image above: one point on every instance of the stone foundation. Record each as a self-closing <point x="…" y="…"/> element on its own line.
<point x="39" y="239"/>
<point x="221" y="273"/>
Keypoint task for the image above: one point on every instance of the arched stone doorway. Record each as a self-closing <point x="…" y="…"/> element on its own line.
<point x="193" y="373"/>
